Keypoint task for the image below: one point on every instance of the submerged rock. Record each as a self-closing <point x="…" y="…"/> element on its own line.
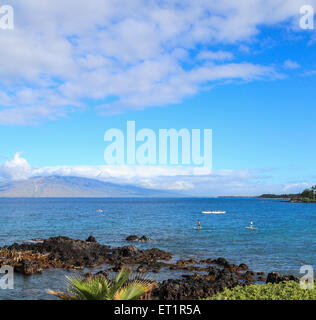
<point x="142" y="269"/>
<point x="143" y="239"/>
<point x="132" y="238"/>
<point x="27" y="267"/>
<point x="137" y="239"/>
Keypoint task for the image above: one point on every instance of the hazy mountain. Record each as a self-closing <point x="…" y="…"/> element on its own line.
<point x="71" y="187"/>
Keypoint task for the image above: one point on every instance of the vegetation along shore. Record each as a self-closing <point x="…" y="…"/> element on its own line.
<point x="306" y="196"/>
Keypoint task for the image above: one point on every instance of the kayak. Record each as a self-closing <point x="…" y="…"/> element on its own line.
<point x="214" y="212"/>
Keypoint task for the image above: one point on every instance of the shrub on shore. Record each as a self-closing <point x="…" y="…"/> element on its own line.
<point x="288" y="290"/>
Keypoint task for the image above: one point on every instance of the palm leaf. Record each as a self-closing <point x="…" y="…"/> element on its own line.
<point x="96" y="288"/>
<point x="61" y="295"/>
<point x="122" y="287"/>
<point x="119" y="281"/>
<point x="130" y="292"/>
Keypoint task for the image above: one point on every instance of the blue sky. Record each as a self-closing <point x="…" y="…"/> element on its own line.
<point x="245" y="70"/>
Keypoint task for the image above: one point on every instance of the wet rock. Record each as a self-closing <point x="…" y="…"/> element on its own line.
<point x="143" y="239"/>
<point x="212" y="271"/>
<point x="182" y="263"/>
<point x="207" y="261"/>
<point x="27" y="267"/>
<point x="156" y="270"/>
<point x="194" y="286"/>
<point x="103" y="273"/>
<point x="117" y="268"/>
<point x="91" y="239"/>
<point x="142" y="269"/>
<point x="275" y="277"/>
<point x="127" y="251"/>
<point x="249" y="276"/>
<point x="88" y="275"/>
<point x="243" y="267"/>
<point x="132" y="238"/>
<point x="135" y="238"/>
<point x="222" y="262"/>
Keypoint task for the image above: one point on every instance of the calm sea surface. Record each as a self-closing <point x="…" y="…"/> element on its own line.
<point x="284" y="241"/>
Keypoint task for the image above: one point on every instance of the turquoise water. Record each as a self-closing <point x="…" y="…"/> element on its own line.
<point x="285" y="238"/>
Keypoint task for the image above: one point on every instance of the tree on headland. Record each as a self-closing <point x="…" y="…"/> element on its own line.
<point x="314" y="190"/>
<point x="308" y="193"/>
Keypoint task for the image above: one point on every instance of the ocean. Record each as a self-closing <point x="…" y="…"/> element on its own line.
<point x="284" y="241"/>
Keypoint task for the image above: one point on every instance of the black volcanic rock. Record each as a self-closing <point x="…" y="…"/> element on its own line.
<point x="275" y="277"/>
<point x="91" y="239"/>
<point x="27" y="267"/>
<point x="195" y="287"/>
<point x="143" y="239"/>
<point x="134" y="238"/>
<point x="63" y="252"/>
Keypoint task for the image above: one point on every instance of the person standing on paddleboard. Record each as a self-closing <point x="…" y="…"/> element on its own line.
<point x="199" y="224"/>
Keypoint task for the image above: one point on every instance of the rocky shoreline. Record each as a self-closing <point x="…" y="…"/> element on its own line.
<point x="207" y="276"/>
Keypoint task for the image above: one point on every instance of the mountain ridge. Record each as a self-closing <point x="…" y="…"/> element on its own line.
<point x="74" y="187"/>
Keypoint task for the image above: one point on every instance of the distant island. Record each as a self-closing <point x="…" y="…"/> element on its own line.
<point x="75" y="187"/>
<point x="307" y="196"/>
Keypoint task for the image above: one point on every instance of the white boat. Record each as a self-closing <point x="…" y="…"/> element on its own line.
<point x="214" y="212"/>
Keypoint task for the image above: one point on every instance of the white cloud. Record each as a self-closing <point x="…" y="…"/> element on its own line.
<point x="215" y="55"/>
<point x="309" y="73"/>
<point x="192" y="181"/>
<point x="62" y="53"/>
<point x="293" y="187"/>
<point x="15" y="169"/>
<point x="289" y="64"/>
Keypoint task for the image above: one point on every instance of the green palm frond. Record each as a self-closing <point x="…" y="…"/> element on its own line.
<point x="131" y="291"/>
<point x="96" y="288"/>
<point x="122" y="287"/>
<point x="119" y="280"/>
<point x="61" y="295"/>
